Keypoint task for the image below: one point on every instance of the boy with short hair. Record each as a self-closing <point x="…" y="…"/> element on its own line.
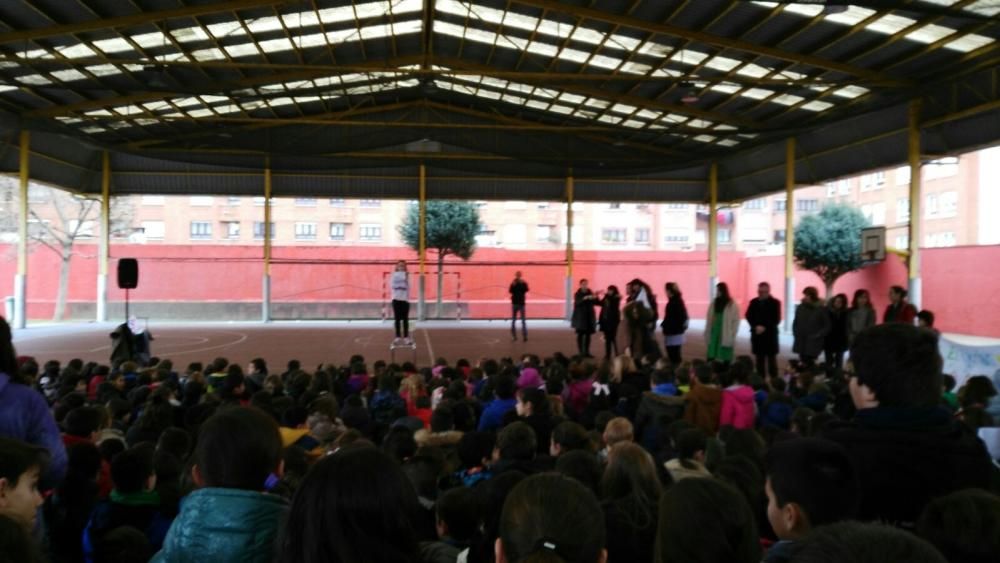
<point x="21" y="466"/>
<point x="133" y="502"/>
<point x="231" y="518"/>
<point x="810" y="483"/>
<point x="457" y="513"/>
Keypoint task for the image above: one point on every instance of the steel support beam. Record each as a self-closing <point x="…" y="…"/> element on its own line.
<point x="266" y="285"/>
<point x="21" y="279"/>
<point x="422" y="245"/>
<point x="104" y="250"/>
<point x="713" y="229"/>
<point x="789" y="233"/>
<point x="913" y="157"/>
<point x="570" y="196"/>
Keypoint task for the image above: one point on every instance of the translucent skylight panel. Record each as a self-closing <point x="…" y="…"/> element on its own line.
<point x="721" y="63"/>
<point x="561" y="109"/>
<point x="156" y="106"/>
<point x="633" y="123"/>
<point x="725" y="88"/>
<point x="241" y="50"/>
<point x="212" y="54"/>
<point x="787" y="99"/>
<point x="69" y="75"/>
<point x="699" y="124"/>
<point x="632" y="67"/>
<point x="597" y="103"/>
<point x="930" y="33"/>
<point x="653" y="49"/>
<point x="603" y="61"/>
<point x="890" y="24"/>
<point x="33" y="80"/>
<point x="537" y="104"/>
<point x="93" y="129"/>
<point x="623" y="108"/>
<point x="279" y="44"/>
<point x="201" y="112"/>
<point x="850" y="92"/>
<point x="753" y="70"/>
<point x="76" y="51"/>
<point x="612" y="119"/>
<point x="488" y="94"/>
<point x="817" y="105"/>
<point x="968" y="43"/>
<point x="688" y="57"/>
<point x="517" y="100"/>
<point x="548" y="50"/>
<point x="704" y="138"/>
<point x="571" y="98"/>
<point x="575" y="55"/>
<point x="757" y="93"/>
<point x="728" y="142"/>
<point x="647" y="114"/>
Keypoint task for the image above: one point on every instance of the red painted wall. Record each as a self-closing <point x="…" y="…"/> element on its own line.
<point x="961" y="285"/>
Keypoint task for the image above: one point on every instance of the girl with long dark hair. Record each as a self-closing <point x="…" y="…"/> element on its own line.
<point x="721" y="324"/>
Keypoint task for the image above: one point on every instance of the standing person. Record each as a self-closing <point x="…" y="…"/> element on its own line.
<point x="899" y="310"/>
<point x="638" y="313"/>
<point x="721" y="324"/>
<point x="584" y="320"/>
<point x="611" y="317"/>
<point x="401" y="304"/>
<point x="810" y="328"/>
<point x="518" y="289"/>
<point x="675" y="323"/>
<point x="861" y="315"/>
<point x="764" y="315"/>
<point x="836" y="339"/>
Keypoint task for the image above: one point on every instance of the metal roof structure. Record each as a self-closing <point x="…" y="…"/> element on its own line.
<point x="496" y="98"/>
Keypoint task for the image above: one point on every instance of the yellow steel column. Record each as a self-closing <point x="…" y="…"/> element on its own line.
<point x="20" y="280"/>
<point x="104" y="250"/>
<point x="569" y="245"/>
<point x="915" y="194"/>
<point x="422" y="281"/>
<point x="266" y="285"/>
<point x="789" y="232"/>
<point x="713" y="228"/>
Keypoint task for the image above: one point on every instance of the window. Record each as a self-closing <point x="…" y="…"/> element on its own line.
<point x="831" y="189"/>
<point x="948" y="202"/>
<point x="201" y="229"/>
<point x="642" y="236"/>
<point x="231" y="228"/>
<point x="202" y="200"/>
<point x="337" y="202"/>
<point x="779" y="236"/>
<point x="305" y="231"/>
<point x="677" y="206"/>
<point x="755" y="204"/>
<point x="676" y="239"/>
<point x="843" y="187"/>
<point x="932" y="205"/>
<point x="724" y="236"/>
<point x="779" y="205"/>
<point x="545" y="233"/>
<point x="757" y="236"/>
<point x="940" y="239"/>
<point x="258" y="230"/>
<point x="486" y="238"/>
<point x="902" y="242"/>
<point x="614" y="236"/>
<point x="902" y="175"/>
<point x="153" y="229"/>
<point x="372" y="203"/>
<point x="543" y="205"/>
<point x="903" y="210"/>
<point x="338" y="231"/>
<point x="233" y="200"/>
<point x="153" y="200"/>
<point x="480" y="204"/>
<point x="872" y="181"/>
<point x="875" y="213"/>
<point x="615" y="205"/>
<point x="515" y="205"/>
<point x="370" y="232"/>
<point x="82" y="230"/>
<point x="259" y="201"/>
<point x="806" y="205"/>
<point x="305" y="202"/>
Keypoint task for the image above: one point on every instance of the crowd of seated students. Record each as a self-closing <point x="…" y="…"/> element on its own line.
<point x="501" y="461"/>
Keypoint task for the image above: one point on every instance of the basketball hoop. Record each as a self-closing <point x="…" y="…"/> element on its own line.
<point x="873" y="245"/>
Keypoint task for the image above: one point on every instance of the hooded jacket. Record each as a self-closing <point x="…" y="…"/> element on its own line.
<point x="738" y="407"/>
<point x="704" y="405"/>
<point x="225" y="526"/>
<point x="651" y="409"/>
<point x="25" y="416"/>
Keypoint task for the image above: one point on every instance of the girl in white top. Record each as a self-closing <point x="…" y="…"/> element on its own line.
<point x="400" y="284"/>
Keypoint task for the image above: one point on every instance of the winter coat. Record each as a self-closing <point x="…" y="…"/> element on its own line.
<point x="139" y="510"/>
<point x="858" y="320"/>
<point x="738" y="407"/>
<point x="902" y="313"/>
<point x="907" y="456"/>
<point x="678" y="471"/>
<point x="836" y="339"/>
<point x="529" y="379"/>
<point x="25" y="416"/>
<point x="765" y="313"/>
<point x="675" y="317"/>
<point x="584" y="319"/>
<point x="812" y="324"/>
<point x="492" y="418"/>
<point x="730" y="324"/>
<point x="517" y="291"/>
<point x="225" y="526"/>
<point x="611" y="314"/>
<point x="652" y="409"/>
<point x="704" y="407"/>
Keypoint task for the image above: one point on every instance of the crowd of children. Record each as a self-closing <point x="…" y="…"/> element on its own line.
<point x="561" y="459"/>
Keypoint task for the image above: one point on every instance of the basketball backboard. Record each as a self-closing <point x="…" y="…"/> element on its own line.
<point x="873" y="244"/>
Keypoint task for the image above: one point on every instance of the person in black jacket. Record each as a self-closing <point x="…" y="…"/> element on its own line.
<point x="518" y="289"/>
<point x="764" y="315"/>
<point x="611" y="317"/>
<point x="836" y="340"/>
<point x="675" y="323"/>
<point x="907" y="447"/>
<point x="584" y="320"/>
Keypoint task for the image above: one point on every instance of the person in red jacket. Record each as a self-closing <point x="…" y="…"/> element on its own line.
<point x="899" y="309"/>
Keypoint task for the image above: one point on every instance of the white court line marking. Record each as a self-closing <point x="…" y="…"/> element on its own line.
<point x="430" y="349"/>
<point x="194" y="341"/>
<point x="242" y="338"/>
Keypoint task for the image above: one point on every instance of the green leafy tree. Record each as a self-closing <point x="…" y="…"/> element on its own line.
<point x="829" y="243"/>
<point x="452" y="227"/>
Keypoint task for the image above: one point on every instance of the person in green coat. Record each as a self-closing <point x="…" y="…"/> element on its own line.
<point x="231" y="518"/>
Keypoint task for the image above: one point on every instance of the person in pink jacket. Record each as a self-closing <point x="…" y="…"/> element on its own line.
<point x="738" y="407"/>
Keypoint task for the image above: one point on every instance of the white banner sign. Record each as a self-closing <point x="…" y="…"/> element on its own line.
<point x="962" y="361"/>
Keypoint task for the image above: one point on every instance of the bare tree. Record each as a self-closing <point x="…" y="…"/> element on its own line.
<point x="68" y="219"/>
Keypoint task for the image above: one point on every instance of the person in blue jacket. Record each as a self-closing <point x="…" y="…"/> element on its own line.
<point x="24" y="413"/>
<point x="504" y="402"/>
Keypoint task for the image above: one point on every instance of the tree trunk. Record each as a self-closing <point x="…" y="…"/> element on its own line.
<point x="829" y="288"/>
<point x="440" y="282"/>
<point x="67" y="255"/>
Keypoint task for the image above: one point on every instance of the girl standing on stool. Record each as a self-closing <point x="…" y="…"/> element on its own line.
<point x="401" y="304"/>
<point x="584" y="320"/>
